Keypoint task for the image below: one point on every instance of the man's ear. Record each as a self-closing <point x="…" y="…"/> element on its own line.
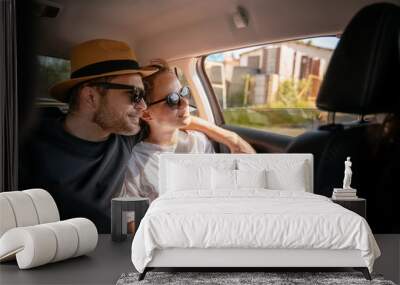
<point x="146" y="116"/>
<point x="89" y="98"/>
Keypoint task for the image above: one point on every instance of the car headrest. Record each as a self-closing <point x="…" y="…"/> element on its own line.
<point x="50" y="112"/>
<point x="364" y="71"/>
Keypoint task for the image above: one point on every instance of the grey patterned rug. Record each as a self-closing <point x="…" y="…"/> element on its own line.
<point x="243" y="278"/>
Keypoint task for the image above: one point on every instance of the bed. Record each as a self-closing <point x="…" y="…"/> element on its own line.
<point x="246" y="211"/>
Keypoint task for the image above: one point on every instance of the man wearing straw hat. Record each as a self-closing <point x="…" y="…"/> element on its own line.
<point x="81" y="158"/>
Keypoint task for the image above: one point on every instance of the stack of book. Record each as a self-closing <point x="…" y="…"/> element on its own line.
<point x="344" y="194"/>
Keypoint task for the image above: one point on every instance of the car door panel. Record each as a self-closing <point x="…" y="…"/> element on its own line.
<point x="262" y="141"/>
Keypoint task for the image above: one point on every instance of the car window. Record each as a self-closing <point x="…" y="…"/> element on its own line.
<point x="50" y="70"/>
<point x="273" y="87"/>
<point x="181" y="77"/>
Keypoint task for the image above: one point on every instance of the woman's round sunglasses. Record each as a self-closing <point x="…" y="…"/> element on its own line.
<point x="136" y="94"/>
<point x="174" y="99"/>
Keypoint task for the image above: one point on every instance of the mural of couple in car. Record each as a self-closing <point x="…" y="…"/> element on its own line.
<point x="121" y="117"/>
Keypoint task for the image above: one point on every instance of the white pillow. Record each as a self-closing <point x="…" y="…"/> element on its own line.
<point x="291" y="179"/>
<point x="226" y="179"/>
<point x="223" y="179"/>
<point x="251" y="178"/>
<point x="282" y="174"/>
<point x="182" y="177"/>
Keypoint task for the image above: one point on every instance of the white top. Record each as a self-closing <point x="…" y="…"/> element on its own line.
<point x="141" y="178"/>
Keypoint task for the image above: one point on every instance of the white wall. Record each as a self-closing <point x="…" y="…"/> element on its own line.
<point x="311" y="51"/>
<point x="244" y="57"/>
<point x="286" y="62"/>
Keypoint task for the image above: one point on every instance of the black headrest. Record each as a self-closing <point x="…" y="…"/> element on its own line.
<point x="363" y="76"/>
<point x="50" y="112"/>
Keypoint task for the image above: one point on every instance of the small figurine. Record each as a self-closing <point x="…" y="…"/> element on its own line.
<point x="347" y="174"/>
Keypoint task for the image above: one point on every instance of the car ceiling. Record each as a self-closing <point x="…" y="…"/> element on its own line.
<point x="174" y="29"/>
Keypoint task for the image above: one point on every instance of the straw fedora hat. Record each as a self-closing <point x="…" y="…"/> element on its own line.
<point x="99" y="58"/>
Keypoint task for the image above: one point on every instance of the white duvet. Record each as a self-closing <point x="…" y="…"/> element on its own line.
<point x="252" y="218"/>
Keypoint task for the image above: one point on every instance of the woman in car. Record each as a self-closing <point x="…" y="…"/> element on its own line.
<point x="166" y="114"/>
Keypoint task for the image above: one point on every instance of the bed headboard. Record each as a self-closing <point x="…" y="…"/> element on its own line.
<point x="284" y="167"/>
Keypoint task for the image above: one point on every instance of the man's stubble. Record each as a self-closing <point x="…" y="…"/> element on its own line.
<point x="115" y="122"/>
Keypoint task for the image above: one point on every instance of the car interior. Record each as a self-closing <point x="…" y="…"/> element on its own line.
<point x="328" y="74"/>
<point x="367" y="47"/>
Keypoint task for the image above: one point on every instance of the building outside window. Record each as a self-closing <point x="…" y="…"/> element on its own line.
<point x="273" y="87"/>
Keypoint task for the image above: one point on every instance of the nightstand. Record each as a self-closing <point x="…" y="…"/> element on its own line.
<point x="121" y="207"/>
<point x="358" y="205"/>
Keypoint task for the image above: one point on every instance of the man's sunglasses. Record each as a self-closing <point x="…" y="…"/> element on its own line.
<point x="136" y="94"/>
<point x="174" y="99"/>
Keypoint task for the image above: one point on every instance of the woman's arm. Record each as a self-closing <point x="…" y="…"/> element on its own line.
<point x="232" y="140"/>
